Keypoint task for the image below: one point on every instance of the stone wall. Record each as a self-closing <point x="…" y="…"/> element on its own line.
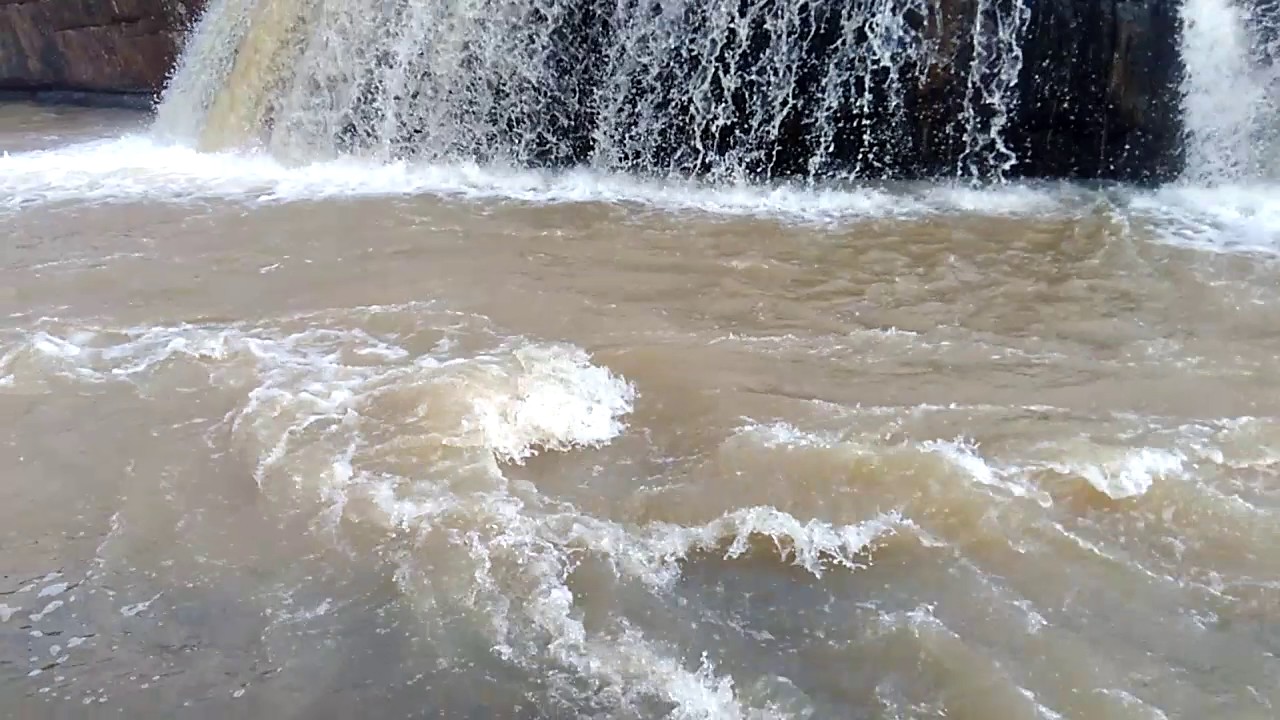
<point x="106" y="46"/>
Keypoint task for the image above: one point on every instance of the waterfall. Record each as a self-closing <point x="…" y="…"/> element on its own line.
<point x="1231" y="91"/>
<point x="993" y="76"/>
<point x="726" y="89"/>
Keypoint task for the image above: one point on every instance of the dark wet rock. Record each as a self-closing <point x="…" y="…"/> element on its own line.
<point x="113" y="46"/>
<point x="1097" y="96"/>
<point x="1100" y="90"/>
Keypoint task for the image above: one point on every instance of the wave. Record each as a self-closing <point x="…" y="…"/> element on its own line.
<point x="1122" y="473"/>
<point x="419" y="438"/>
<point x="397" y="428"/>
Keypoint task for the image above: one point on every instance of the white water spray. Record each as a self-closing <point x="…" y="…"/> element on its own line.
<point x="1231" y="93"/>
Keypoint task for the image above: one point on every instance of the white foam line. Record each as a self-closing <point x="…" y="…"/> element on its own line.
<point x="1234" y="218"/>
<point x="136" y="167"/>
<point x="1224" y="218"/>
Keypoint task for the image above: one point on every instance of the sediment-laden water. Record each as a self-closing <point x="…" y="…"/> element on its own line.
<point x="430" y="437"/>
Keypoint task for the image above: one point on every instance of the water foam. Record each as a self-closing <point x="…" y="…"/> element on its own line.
<point x="1129" y="475"/>
<point x="1233" y="218"/>
<point x="563" y="402"/>
<point x="139" y="168"/>
<point x="1222" y="218"/>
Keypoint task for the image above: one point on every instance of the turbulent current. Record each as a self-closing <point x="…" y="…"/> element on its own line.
<point x="380" y="375"/>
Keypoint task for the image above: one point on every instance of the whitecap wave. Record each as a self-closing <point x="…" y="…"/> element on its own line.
<point x="1128" y="475"/>
<point x="520" y="397"/>
<point x="963" y="454"/>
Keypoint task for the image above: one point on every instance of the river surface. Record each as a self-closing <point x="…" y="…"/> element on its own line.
<point x="449" y="442"/>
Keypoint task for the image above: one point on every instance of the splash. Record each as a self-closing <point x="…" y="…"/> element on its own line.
<point x="133" y="169"/>
<point x="1126" y="475"/>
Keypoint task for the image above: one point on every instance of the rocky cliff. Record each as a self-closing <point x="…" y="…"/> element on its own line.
<point x="114" y="46"/>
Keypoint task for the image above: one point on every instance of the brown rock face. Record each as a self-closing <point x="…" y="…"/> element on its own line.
<point x="97" y="45"/>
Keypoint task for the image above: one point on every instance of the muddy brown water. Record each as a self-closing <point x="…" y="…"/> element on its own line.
<point x="288" y="453"/>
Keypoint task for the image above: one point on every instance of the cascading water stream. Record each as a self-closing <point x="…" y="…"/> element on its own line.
<point x="992" y="83"/>
<point x="1231" y="91"/>
<point x="725" y="90"/>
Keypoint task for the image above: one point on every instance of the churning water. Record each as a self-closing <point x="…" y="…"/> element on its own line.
<point x="347" y="387"/>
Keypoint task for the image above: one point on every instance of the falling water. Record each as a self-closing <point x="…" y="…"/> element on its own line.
<point x="1231" y="91"/>
<point x="727" y="90"/>
<point x="202" y="69"/>
<point x="993" y="77"/>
